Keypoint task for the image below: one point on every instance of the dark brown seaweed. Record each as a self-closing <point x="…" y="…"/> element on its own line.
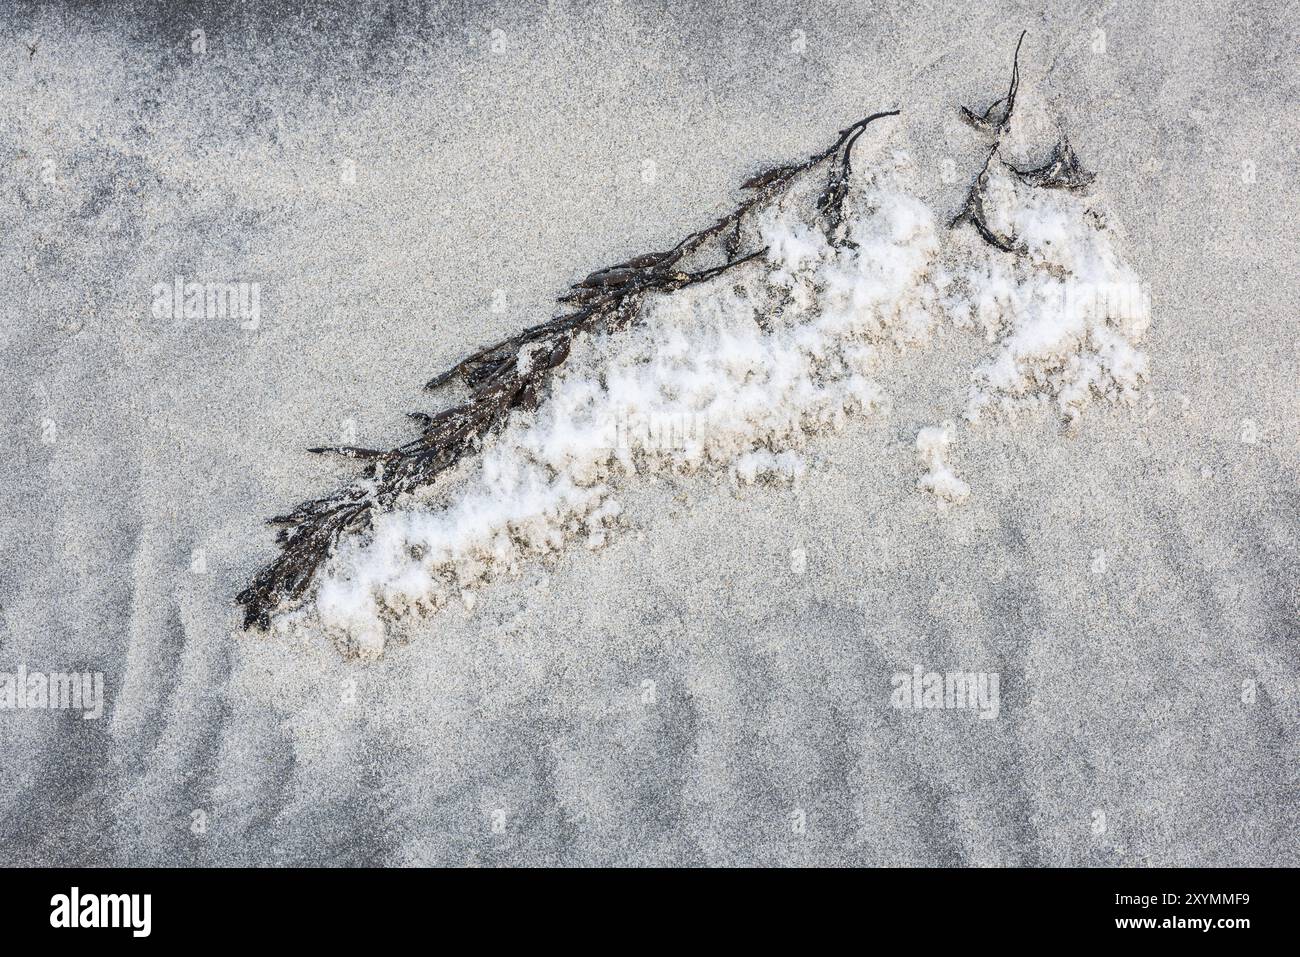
<point x="606" y="300"/>
<point x="1061" y="170"/>
<point x="973" y="211"/>
<point x="998" y="116"/>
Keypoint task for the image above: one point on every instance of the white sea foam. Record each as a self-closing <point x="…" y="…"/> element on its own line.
<point x="931" y="448"/>
<point x="736" y="374"/>
<point x="1066" y="315"/>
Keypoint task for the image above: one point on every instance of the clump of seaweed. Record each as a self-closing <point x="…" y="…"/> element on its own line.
<point x="1061" y="170"/>
<point x="514" y="374"/>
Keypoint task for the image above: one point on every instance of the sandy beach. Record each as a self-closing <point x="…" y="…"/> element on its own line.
<point x="389" y="187"/>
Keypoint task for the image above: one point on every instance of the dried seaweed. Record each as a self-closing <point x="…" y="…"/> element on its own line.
<point x="1061" y="170"/>
<point x="513" y="374"/>
<point x="997" y="117"/>
<point x="973" y="211"/>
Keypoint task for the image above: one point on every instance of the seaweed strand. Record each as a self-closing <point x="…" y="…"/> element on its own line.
<point x="992" y="120"/>
<point x="512" y="374"/>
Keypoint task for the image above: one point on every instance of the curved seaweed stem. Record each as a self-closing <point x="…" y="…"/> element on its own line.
<point x="1061" y="170"/>
<point x="973" y="211"/>
<point x="992" y="120"/>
